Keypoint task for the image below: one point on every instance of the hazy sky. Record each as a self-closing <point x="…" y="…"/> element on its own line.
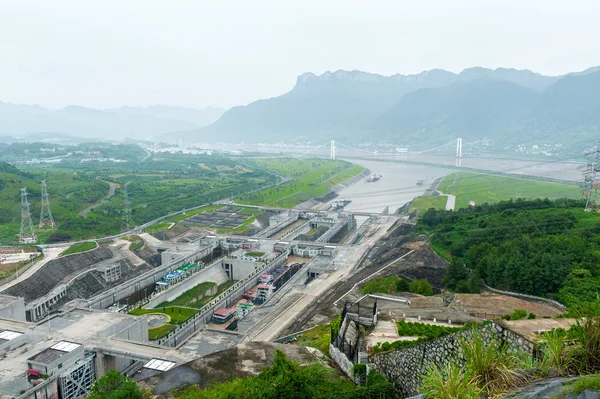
<point x="105" y="53"/>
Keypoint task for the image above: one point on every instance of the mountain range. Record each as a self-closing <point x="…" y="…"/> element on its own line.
<point x="117" y="123"/>
<point x="505" y="106"/>
<point x="429" y="108"/>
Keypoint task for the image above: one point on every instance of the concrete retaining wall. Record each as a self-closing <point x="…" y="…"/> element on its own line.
<point x="404" y="367"/>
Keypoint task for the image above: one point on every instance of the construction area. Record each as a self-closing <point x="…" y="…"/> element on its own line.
<point x="174" y="298"/>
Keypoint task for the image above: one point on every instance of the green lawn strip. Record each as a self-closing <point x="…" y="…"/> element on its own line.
<point x="159" y="332"/>
<point x="177" y="314"/>
<point x="421" y="204"/>
<point x="310" y="178"/>
<point x="319" y="338"/>
<point x="136" y="245"/>
<point x="481" y="188"/>
<point x="190" y="296"/>
<point x="222" y="288"/>
<point x="80" y="247"/>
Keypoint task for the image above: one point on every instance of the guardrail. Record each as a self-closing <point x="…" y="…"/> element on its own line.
<point x="524" y="296"/>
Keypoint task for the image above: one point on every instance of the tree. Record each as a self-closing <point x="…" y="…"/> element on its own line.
<point x="455" y="273"/>
<point x="114" y="385"/>
<point x="402" y="285"/>
<point x="422" y="287"/>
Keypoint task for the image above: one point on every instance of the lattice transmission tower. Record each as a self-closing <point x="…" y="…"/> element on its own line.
<point x="27" y="234"/>
<point x="46" y="219"/>
<point x="126" y="211"/>
<point x="591" y="180"/>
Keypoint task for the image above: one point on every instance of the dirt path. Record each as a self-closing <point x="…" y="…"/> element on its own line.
<point x="111" y="193"/>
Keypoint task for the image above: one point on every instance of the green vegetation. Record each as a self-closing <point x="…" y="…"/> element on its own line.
<point x="449" y="381"/>
<point x="319" y="338"/>
<point x="80" y="247"/>
<point x="481" y="188"/>
<point x="286" y="379"/>
<point x="256" y="254"/>
<point x="310" y="178"/>
<point x="114" y="385"/>
<point x="537" y="247"/>
<point x="421" y="204"/>
<point x="489" y="370"/>
<point x="577" y="387"/>
<point x="385" y="285"/>
<point x="191" y="296"/>
<point x="177" y="315"/>
<point x="421" y="287"/>
<point x="424" y="331"/>
<point x="159" y="332"/>
<point x="87" y="197"/>
<point x="136" y="245"/>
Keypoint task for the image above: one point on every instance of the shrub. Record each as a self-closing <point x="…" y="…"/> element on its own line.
<point x="492" y="367"/>
<point x="421" y="287"/>
<point x="583" y="355"/>
<point x="449" y="382"/>
<point x="531" y="316"/>
<point x="402" y="285"/>
<point x="359" y="370"/>
<point x="518" y="314"/>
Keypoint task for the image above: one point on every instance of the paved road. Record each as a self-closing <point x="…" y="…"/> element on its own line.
<point x="450" y="202"/>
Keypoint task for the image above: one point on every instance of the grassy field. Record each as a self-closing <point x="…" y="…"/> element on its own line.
<point x="310" y="178"/>
<point x="421" y="204"/>
<point x="80" y="247"/>
<point x="319" y="338"/>
<point x="482" y="188"/>
<point x="176" y="314"/>
<point x="155" y="333"/>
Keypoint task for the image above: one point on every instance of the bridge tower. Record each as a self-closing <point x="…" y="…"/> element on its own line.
<point x="46" y="219"/>
<point x="332" y="150"/>
<point x="458" y="151"/>
<point x="591" y="180"/>
<point x="27" y="235"/>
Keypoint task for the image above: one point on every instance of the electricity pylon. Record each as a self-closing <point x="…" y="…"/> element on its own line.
<point x="27" y="235"/>
<point x="46" y="219"/>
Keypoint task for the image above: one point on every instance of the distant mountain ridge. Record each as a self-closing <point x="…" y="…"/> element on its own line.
<point x="118" y="123"/>
<point x="428" y="107"/>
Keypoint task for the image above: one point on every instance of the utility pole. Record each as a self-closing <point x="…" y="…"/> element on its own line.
<point x="46" y="219"/>
<point x="26" y="235"/>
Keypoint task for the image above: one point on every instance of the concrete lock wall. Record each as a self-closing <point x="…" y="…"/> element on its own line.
<point x="404" y="367"/>
<point x="14" y="310"/>
<point x="129" y="288"/>
<point x="226" y="299"/>
<point x="137" y="332"/>
<point x="239" y="268"/>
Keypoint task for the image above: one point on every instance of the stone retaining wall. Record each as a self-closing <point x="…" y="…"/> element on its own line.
<point x="404" y="367"/>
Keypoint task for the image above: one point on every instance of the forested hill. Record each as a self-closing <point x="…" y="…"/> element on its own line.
<point x="538" y="247"/>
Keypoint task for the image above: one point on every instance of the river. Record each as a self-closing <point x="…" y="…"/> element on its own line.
<point x="397" y="186"/>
